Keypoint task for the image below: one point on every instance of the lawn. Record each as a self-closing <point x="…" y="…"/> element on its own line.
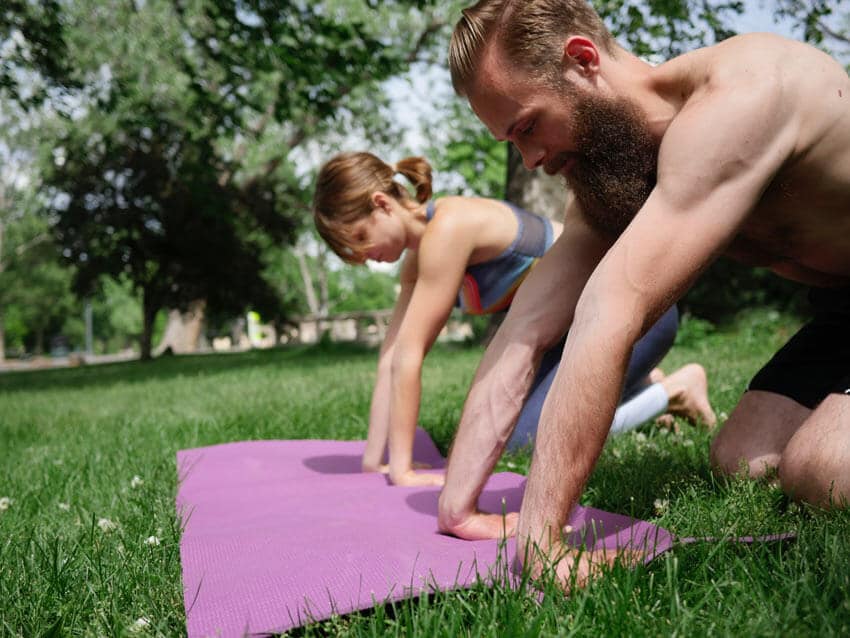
<point x="89" y="544"/>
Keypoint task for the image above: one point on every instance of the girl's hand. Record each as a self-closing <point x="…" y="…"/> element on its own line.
<point x="413" y="479"/>
<point x="384" y="468"/>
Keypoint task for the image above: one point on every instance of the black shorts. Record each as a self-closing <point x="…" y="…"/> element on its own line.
<point x="815" y="361"/>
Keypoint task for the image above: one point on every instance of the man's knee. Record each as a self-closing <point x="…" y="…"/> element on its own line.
<point x="810" y="471"/>
<point x="724" y="455"/>
<point x="805" y="478"/>
<point x="734" y="452"/>
<point x="752" y="441"/>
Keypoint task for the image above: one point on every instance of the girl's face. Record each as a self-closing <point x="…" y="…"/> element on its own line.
<point x="384" y="231"/>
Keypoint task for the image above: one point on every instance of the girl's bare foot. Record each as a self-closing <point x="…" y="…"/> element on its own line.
<point x="687" y="391"/>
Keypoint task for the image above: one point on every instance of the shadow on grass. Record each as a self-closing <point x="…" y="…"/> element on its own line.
<point x="630" y="480"/>
<point x="164" y="368"/>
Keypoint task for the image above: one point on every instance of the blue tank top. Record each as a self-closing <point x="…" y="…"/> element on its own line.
<point x="490" y="286"/>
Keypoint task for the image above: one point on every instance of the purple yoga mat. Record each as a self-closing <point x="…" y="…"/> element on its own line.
<point x="282" y="533"/>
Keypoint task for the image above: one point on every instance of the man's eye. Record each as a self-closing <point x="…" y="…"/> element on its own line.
<point x="528" y="130"/>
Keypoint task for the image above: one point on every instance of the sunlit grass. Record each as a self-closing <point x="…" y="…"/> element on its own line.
<point x="86" y="549"/>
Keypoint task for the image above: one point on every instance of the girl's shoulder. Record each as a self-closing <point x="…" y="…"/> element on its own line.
<point x="461" y="212"/>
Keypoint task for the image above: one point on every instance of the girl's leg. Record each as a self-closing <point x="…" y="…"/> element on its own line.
<point x="647" y="353"/>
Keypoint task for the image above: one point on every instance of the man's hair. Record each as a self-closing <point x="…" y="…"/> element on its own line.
<point x="530" y="33"/>
<point x="343" y="194"/>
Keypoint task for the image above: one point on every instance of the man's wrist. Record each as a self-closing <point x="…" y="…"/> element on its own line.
<point x="452" y="513"/>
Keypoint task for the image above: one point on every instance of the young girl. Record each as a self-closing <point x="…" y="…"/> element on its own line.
<point x="472" y="252"/>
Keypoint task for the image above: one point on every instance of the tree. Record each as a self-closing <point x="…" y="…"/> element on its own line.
<point x="175" y="160"/>
<point x="31" y="279"/>
<point x="823" y="23"/>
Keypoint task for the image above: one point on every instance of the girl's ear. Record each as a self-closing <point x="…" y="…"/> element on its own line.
<point x="381" y="201"/>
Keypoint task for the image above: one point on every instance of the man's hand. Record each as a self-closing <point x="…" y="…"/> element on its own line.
<point x="577" y="567"/>
<point x="481" y="526"/>
<point x="415" y="479"/>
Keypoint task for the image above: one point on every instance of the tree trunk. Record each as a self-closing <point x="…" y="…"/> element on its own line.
<point x="307" y="280"/>
<point x="183" y="330"/>
<point x="535" y="191"/>
<point x="149" y="310"/>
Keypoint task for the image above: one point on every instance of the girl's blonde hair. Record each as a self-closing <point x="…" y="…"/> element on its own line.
<point x="344" y="190"/>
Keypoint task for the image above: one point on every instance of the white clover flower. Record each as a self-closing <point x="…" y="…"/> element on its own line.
<point x="136" y="481"/>
<point x="140" y="625"/>
<point x="152" y="540"/>
<point x="65" y="507"/>
<point x="687" y="443"/>
<point x="640" y="436"/>
<point x="106" y="525"/>
<point x="661" y="506"/>
<point x="5" y="503"/>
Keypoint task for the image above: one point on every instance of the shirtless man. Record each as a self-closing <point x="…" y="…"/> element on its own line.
<point x="742" y="149"/>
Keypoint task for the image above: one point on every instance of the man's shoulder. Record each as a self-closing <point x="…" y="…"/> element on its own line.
<point x="755" y="58"/>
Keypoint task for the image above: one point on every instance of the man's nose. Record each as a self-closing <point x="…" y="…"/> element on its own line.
<point x="532" y="156"/>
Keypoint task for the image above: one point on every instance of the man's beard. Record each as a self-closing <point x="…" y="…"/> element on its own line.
<point x="616" y="168"/>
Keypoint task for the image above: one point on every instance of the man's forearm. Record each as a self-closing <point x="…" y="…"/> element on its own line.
<point x="495" y="399"/>
<point x="573" y="428"/>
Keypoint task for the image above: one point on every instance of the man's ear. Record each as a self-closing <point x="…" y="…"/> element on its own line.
<point x="581" y="55"/>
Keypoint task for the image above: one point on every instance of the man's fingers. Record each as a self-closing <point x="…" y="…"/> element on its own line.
<point x="578" y="568"/>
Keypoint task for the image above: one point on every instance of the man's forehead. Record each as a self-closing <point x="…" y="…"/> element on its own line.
<point x="491" y="96"/>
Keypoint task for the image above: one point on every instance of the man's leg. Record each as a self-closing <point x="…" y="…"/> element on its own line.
<point x="815" y="465"/>
<point x="755" y="435"/>
<point x="804" y="374"/>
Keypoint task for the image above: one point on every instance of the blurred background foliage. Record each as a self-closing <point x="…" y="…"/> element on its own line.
<point x="158" y="153"/>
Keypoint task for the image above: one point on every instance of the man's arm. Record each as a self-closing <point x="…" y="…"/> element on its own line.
<point x="539" y="315"/>
<point x="716" y="159"/>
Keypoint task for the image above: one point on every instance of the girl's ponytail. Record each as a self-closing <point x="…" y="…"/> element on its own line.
<point x="417" y="171"/>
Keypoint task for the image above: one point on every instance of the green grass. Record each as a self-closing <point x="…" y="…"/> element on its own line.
<point x="71" y="442"/>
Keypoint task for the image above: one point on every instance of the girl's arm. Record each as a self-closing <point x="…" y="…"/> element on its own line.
<point x="444" y="252"/>
<point x="379" y="413"/>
